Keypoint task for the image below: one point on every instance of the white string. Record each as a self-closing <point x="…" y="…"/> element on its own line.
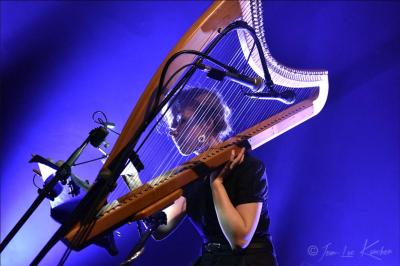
<point x="172" y="154"/>
<point x="170" y="160"/>
<point x="195" y="115"/>
<point x="191" y="137"/>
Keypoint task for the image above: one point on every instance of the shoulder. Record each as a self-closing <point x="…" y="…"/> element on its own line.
<point x="249" y="181"/>
<point x="252" y="164"/>
<point x="251" y="173"/>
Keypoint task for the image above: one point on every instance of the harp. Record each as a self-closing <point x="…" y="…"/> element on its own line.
<point x="255" y="120"/>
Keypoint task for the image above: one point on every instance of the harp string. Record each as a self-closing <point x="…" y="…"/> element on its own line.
<point x="169" y="160"/>
<point x="195" y="114"/>
<point x="245" y="112"/>
<point x="224" y="87"/>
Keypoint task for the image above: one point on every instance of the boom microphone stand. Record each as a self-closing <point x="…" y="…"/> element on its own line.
<point x="96" y="137"/>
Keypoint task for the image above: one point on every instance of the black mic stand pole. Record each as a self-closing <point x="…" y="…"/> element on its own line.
<point x="61" y="175"/>
<point x="83" y="212"/>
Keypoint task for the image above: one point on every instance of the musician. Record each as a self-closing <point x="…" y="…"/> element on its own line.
<point x="229" y="207"/>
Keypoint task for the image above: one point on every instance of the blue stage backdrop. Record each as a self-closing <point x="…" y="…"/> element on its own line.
<point x="334" y="180"/>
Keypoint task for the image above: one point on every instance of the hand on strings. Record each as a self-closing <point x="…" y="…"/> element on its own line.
<point x="234" y="161"/>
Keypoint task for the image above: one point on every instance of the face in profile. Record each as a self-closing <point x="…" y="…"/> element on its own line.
<point x="188" y="132"/>
<point x="196" y="120"/>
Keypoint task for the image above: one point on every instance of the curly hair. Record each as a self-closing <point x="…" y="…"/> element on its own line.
<point x="208" y="107"/>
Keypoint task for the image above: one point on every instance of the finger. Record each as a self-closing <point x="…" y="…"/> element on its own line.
<point x="242" y="159"/>
<point x="243" y="153"/>
<point x="239" y="159"/>
<point x="233" y="163"/>
<point x="232" y="155"/>
<point x="236" y="161"/>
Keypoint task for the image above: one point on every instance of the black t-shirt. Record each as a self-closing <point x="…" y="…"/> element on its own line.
<point x="246" y="183"/>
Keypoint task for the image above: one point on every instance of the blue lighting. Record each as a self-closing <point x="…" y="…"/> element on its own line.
<point x="334" y="180"/>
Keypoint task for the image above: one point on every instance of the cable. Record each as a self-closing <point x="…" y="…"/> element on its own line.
<point x="162" y="115"/>
<point x="89" y="161"/>
<point x="99" y="120"/>
<point x="158" y="106"/>
<point x="116" y="164"/>
<point x="233" y="26"/>
<point x="33" y="180"/>
<point x="174" y="56"/>
<point x="104" y="122"/>
<point x="248" y="58"/>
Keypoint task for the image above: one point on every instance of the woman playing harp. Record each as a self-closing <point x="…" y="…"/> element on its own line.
<point x="229" y="207"/>
<point x="225" y="32"/>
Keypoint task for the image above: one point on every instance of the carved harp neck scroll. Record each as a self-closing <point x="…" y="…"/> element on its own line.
<point x="311" y="88"/>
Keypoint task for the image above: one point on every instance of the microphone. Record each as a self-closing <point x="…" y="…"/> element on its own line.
<point x="256" y="84"/>
<point x="286" y="97"/>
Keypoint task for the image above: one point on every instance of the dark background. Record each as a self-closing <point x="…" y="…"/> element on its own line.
<point x="334" y="180"/>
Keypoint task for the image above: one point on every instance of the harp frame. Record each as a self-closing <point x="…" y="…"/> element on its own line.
<point x="219" y="15"/>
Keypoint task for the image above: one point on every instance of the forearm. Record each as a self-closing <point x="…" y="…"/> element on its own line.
<point x="232" y="223"/>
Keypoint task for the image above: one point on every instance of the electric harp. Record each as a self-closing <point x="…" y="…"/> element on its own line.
<point x="256" y="117"/>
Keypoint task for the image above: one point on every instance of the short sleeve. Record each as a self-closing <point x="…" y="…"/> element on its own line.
<point x="251" y="182"/>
